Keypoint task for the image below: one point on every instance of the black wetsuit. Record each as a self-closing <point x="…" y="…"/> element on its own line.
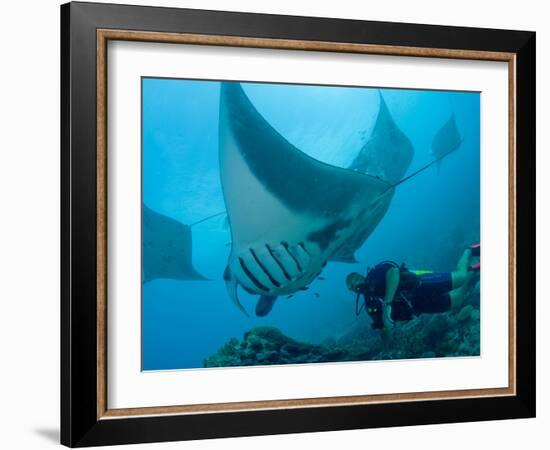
<point x="416" y="294"/>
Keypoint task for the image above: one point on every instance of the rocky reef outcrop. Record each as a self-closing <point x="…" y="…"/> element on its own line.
<point x="265" y="346"/>
<point x="454" y="333"/>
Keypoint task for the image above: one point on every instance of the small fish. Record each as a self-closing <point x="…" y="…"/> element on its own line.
<point x="317" y="294"/>
<point x="290" y="296"/>
<point x="304" y="288"/>
<point x="321" y="278"/>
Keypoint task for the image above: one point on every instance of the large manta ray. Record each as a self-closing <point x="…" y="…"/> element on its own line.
<point x="289" y="213"/>
<point x="167" y="248"/>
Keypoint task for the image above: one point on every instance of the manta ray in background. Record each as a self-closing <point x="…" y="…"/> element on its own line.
<point x="388" y="152"/>
<point x="167" y="248"/>
<point x="289" y="213"/>
<point x="446" y="140"/>
<point x="387" y="155"/>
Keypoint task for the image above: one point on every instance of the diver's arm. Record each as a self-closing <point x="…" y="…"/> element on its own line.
<point x="392" y="282"/>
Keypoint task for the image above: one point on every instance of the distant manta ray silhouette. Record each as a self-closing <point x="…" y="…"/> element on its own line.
<point x="446" y="140"/>
<point x="167" y="248"/>
<point x="289" y="214"/>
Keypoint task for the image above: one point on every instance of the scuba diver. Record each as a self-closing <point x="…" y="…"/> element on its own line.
<point x="394" y="293"/>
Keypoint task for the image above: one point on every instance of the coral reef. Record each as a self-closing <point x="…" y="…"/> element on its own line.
<point x="426" y="336"/>
<point x="454" y="333"/>
<point x="264" y="346"/>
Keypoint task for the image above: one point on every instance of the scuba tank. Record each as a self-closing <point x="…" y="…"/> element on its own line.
<point x="370" y="288"/>
<point x="401" y="308"/>
<point x="371" y="304"/>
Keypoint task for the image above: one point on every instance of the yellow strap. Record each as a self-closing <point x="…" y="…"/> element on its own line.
<point x="422" y="272"/>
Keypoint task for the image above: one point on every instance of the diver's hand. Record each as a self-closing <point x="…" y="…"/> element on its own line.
<point x="385" y="335"/>
<point x="386" y="316"/>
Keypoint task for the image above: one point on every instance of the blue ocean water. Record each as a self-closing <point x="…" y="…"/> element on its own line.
<point x="184" y="322"/>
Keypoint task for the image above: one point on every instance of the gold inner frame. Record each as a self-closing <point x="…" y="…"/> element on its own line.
<point x="103" y="36"/>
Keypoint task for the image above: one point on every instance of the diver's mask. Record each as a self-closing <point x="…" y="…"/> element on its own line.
<point x="354" y="282"/>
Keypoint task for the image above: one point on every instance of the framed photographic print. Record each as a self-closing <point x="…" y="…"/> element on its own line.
<point x="276" y="224"/>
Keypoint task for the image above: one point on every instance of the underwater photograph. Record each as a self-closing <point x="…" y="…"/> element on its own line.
<point x="299" y="224"/>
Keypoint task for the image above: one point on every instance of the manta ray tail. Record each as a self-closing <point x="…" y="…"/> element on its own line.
<point x="204" y="219"/>
<point x="231" y="285"/>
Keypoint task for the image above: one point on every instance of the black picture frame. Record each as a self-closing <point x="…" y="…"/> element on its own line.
<point x="80" y="425"/>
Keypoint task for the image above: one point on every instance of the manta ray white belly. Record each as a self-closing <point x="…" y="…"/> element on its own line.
<point x="270" y="252"/>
